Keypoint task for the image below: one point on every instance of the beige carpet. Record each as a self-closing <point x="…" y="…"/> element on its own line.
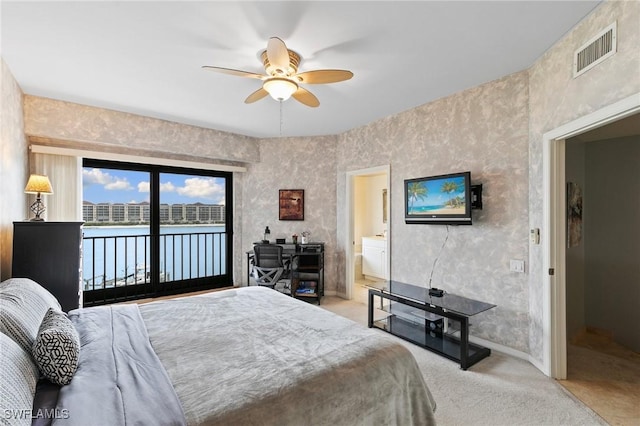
<point x="499" y="390"/>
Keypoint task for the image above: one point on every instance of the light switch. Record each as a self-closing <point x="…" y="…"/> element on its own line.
<point x="516" y="265"/>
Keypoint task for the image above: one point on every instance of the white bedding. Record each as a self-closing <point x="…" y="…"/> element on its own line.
<point x="253" y="356"/>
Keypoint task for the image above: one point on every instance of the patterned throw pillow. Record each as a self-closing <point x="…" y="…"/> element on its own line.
<point x="57" y="347"/>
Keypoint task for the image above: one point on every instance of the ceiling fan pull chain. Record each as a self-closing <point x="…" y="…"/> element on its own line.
<point x="280" y="118"/>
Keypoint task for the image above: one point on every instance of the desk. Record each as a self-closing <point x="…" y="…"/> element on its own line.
<point x="438" y="324"/>
<point x="307" y="266"/>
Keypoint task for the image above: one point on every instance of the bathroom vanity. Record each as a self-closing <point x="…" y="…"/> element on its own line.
<point x="374" y="257"/>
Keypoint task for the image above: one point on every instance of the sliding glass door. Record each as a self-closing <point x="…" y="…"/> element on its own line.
<point x="152" y="230"/>
<point x="116" y="241"/>
<point x="193" y="228"/>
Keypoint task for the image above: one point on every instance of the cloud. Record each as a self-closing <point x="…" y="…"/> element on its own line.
<point x="198" y="187"/>
<point x="110" y="183"/>
<point x="95" y="176"/>
<point x="164" y="187"/>
<point x="118" y="184"/>
<point x="167" y="187"/>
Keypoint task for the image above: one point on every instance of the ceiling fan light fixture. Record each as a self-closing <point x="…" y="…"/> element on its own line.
<point x="282" y="80"/>
<point x="279" y="88"/>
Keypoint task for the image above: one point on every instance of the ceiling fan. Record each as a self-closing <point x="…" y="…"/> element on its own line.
<point x="282" y="80"/>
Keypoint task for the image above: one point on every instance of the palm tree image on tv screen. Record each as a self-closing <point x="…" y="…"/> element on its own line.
<point x="437" y="197"/>
<point x="444" y="199"/>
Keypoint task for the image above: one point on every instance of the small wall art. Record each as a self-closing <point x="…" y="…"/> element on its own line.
<point x="384" y="205"/>
<point x="574" y="214"/>
<point x="292" y="204"/>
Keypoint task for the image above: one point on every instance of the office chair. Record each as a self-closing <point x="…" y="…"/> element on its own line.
<point x="269" y="268"/>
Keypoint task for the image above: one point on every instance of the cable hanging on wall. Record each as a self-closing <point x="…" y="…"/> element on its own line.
<point x="444" y="243"/>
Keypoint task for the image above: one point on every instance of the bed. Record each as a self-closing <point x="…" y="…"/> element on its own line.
<point x="249" y="356"/>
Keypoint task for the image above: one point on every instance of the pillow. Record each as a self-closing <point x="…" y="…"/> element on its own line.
<point x="23" y="303"/>
<point x="57" y="347"/>
<point x="19" y="379"/>
<point x="27" y="284"/>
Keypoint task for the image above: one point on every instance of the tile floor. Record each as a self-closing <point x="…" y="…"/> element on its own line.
<point x="606" y="377"/>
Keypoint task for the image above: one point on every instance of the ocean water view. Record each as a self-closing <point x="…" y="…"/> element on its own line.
<point x="121" y="255"/>
<point x="423" y="209"/>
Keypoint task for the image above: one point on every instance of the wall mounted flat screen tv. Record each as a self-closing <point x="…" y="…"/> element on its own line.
<point x="443" y="199"/>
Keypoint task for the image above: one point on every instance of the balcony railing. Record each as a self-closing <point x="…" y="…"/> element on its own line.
<point x="125" y="260"/>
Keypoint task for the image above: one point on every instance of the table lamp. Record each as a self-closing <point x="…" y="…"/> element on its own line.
<point x="38" y="184"/>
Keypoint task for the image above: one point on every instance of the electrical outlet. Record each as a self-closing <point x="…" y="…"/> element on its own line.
<point x="516" y="265"/>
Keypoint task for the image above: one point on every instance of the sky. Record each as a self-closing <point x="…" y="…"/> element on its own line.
<point x="435" y="196"/>
<point x="124" y="186"/>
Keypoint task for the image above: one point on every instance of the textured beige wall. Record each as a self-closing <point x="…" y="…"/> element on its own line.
<point x="100" y="129"/>
<point x="556" y="99"/>
<point x="293" y="163"/>
<point x="13" y="166"/>
<point x="483" y="130"/>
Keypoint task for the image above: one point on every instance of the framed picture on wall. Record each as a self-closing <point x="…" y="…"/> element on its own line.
<point x="384" y="205"/>
<point x="574" y="214"/>
<point x="291" y="204"/>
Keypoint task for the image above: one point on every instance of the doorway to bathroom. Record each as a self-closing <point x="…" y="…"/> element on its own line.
<point x="369" y="230"/>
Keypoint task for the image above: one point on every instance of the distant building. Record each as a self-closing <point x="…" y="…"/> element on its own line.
<point x="105" y="213"/>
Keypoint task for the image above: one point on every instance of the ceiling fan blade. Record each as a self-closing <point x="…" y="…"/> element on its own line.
<point x="256" y="96"/>
<point x="304" y="96"/>
<point x="234" y="72"/>
<point x="278" y="54"/>
<point x="323" y="76"/>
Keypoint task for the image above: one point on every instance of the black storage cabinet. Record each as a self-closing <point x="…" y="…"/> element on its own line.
<point x="49" y="253"/>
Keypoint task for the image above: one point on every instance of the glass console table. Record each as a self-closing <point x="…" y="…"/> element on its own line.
<point x="439" y="324"/>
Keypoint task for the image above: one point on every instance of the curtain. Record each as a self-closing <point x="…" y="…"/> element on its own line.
<point x="65" y="174"/>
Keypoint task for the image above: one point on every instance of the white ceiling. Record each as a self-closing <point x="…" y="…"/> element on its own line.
<point x="146" y="57"/>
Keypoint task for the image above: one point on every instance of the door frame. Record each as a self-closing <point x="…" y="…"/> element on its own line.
<point x="350" y="222"/>
<point x="554" y="307"/>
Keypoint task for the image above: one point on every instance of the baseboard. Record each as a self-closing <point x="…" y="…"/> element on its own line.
<point x="500" y="348"/>
<point x="602" y="332"/>
<point x="509" y="351"/>
<point x="537" y="364"/>
<point x="333" y="293"/>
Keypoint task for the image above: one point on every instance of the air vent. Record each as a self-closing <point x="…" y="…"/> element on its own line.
<point x="595" y="50"/>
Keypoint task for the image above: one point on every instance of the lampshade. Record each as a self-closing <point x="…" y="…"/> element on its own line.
<point x="38" y="184"/>
<point x="279" y="88"/>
